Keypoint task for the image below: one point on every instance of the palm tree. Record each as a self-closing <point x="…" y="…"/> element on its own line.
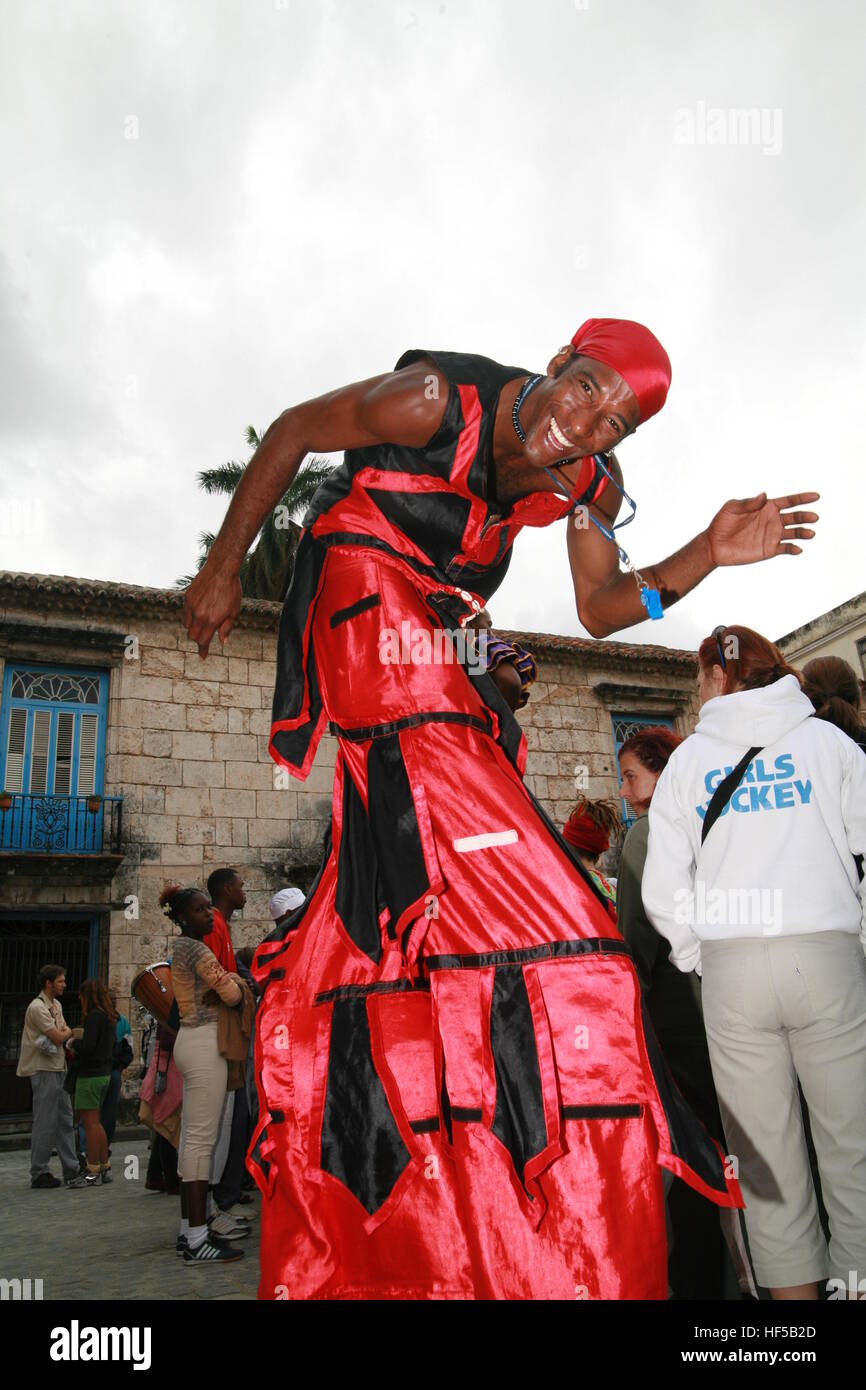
<point x="266" y="572"/>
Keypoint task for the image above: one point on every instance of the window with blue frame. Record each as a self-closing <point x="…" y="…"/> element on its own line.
<point x="52" y="756"/>
<point x="624" y="725"/>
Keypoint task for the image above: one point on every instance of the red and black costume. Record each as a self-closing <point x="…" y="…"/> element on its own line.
<point x="459" y="1094"/>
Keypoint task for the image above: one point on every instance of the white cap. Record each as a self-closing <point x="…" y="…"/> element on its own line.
<point x="286" y="900"/>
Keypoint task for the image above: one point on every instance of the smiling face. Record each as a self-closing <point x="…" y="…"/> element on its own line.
<point x="581" y="407"/>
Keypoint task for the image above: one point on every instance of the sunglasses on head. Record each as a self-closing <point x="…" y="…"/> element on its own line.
<point x="718" y="633"/>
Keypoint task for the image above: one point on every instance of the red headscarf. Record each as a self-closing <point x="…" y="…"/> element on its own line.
<point x="580" y="831"/>
<point x="634" y="353"/>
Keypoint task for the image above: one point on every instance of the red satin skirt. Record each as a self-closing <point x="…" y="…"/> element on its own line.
<point x="458" y="1095"/>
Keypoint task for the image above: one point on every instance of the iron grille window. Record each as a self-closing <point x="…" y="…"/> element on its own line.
<point x="52" y="754"/>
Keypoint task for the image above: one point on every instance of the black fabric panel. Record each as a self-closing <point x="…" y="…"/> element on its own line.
<point x="431" y="520"/>
<point x="482" y="581"/>
<point x="688" y="1138"/>
<point x="602" y="1112"/>
<point x="430" y="1126"/>
<point x="518" y="1120"/>
<point x="380" y="987"/>
<point x="343" y="615"/>
<point x="292" y="744"/>
<point x="342" y="538"/>
<point x="335" y="488"/>
<point x="394" y="827"/>
<point x="445" y="1106"/>
<point x="361" y="1144"/>
<point x="550" y="950"/>
<point x="411" y="721"/>
<point x="488" y="377"/>
<point x="289" y="687"/>
<point x="357" y="895"/>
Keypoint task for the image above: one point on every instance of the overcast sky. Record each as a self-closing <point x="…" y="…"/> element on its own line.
<point x="211" y="211"/>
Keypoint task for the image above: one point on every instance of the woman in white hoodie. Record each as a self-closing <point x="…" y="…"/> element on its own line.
<point x="756" y="888"/>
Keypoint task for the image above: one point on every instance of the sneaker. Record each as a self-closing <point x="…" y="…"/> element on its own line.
<point x="83" y="1180"/>
<point x="46" y="1180"/>
<point x="227" y="1228"/>
<point x="105" y="1175"/>
<point x="236" y="1213"/>
<point x="182" y="1243"/>
<point x="209" y="1252"/>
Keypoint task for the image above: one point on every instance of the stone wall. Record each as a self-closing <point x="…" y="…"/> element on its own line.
<point x="187" y="749"/>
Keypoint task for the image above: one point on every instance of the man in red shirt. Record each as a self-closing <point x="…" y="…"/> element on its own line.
<point x="226" y="891"/>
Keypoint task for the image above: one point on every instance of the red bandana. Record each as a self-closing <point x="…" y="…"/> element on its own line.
<point x="633" y="352"/>
<point x="580" y="832"/>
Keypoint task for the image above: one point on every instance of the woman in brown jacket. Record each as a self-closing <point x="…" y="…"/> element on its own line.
<point x="194" y="972"/>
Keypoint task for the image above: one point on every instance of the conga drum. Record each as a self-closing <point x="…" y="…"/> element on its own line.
<point x="153" y="989"/>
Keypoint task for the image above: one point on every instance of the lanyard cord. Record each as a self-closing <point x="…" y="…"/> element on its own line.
<point x="606" y="531"/>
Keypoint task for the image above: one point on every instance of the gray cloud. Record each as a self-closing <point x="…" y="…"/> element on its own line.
<point x="317" y="186"/>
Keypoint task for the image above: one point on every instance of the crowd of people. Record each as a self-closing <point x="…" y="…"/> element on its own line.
<point x="73" y="1071"/>
<point x="748" y="944"/>
<point x="198" y="1092"/>
<point x="748" y="941"/>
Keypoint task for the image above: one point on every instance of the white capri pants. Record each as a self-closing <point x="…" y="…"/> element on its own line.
<point x="775" y="1009"/>
<point x="204" y="1073"/>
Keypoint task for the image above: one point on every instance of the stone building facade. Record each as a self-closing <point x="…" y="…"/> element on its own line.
<point x="839" y="632"/>
<point x="103" y="696"/>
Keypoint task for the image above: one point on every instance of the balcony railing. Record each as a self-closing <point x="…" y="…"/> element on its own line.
<point x="42" y="824"/>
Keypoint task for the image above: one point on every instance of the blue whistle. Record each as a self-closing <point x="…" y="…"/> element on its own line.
<point x="651" y="600"/>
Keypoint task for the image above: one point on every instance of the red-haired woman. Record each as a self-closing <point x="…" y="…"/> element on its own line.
<point x="93" y="1052"/>
<point x="751" y="876"/>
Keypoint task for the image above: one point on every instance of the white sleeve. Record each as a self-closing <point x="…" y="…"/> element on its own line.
<point x="669" y="876"/>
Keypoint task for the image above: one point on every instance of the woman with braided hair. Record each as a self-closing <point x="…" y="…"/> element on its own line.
<point x="589" y="830"/>
<point x="195" y="972"/>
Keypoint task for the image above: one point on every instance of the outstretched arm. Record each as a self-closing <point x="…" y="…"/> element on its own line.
<point x="398" y="408"/>
<point x="741" y="533"/>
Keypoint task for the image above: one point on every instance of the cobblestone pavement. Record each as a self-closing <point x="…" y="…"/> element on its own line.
<point x="109" y="1242"/>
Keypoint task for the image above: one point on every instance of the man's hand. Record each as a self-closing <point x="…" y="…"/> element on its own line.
<point x="757" y="528"/>
<point x="211" y="605"/>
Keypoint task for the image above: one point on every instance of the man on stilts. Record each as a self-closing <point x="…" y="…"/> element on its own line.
<point x="459" y="1093"/>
